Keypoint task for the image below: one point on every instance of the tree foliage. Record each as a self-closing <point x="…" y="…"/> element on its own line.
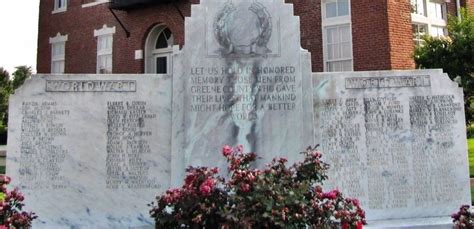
<point x="5" y="90"/>
<point x="454" y="54"/>
<point x="7" y="87"/>
<point x="20" y="75"/>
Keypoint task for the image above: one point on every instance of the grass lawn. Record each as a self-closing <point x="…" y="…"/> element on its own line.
<point x="470" y="147"/>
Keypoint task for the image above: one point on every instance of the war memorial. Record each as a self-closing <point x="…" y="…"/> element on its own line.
<point x="81" y="145"/>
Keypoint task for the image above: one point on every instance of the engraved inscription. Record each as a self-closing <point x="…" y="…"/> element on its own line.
<point x="230" y="41"/>
<point x="343" y="137"/>
<point x="431" y="120"/>
<point x="128" y="137"/>
<point x="387" y="158"/>
<point x="387" y="82"/>
<point x="243" y="92"/>
<point x="41" y="157"/>
<point x="91" y="85"/>
<point x="381" y="157"/>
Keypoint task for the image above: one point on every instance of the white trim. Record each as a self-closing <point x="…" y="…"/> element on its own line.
<point x="56" y="9"/>
<point x="60" y="10"/>
<point x="168" y="62"/>
<point x="430" y="20"/>
<point x="58" y="58"/>
<point x="139" y="54"/>
<point x="335" y="19"/>
<point x="105" y="52"/>
<point x="333" y="22"/>
<point x="97" y="2"/>
<point x="58" y="38"/>
<point x="458" y="9"/>
<point x="104" y="31"/>
<point x="151" y="53"/>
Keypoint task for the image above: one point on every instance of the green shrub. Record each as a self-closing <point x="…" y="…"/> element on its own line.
<point x="278" y="196"/>
<point x="470" y="131"/>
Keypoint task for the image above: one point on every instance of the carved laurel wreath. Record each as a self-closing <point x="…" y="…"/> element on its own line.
<point x="221" y="28"/>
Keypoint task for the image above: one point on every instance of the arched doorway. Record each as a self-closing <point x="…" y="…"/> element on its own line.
<point x="158" y="50"/>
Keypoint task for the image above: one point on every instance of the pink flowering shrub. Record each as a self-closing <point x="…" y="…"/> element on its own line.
<point x="278" y="196"/>
<point x="464" y="218"/>
<point x="197" y="202"/>
<point x="11" y="214"/>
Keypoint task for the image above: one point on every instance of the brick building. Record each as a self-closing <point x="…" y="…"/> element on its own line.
<point x="137" y="36"/>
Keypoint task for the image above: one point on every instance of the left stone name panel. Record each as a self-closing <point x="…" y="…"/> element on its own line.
<point x="90" y="151"/>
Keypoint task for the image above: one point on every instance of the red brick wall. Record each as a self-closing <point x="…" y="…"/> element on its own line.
<point x="79" y="23"/>
<point x="373" y="47"/>
<point x="370" y="35"/>
<point x="451" y="8"/>
<point x="469" y="4"/>
<point x="400" y="34"/>
<point x="309" y="12"/>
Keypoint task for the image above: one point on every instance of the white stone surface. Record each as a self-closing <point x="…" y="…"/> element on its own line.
<point x="395" y="140"/>
<point x="82" y="156"/>
<point x="235" y="45"/>
<point x="419" y="223"/>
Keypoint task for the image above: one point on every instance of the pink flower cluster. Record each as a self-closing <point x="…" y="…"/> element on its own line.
<point x="236" y="158"/>
<point x="244" y="179"/>
<point x="332" y="195"/>
<point x="277" y="196"/>
<point x="207" y="187"/>
<point x="464" y="218"/>
<point x="11" y="214"/>
<point x="172" y="195"/>
<point x="199" y="192"/>
<point x="346" y="210"/>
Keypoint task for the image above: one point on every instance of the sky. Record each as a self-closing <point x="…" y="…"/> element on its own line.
<point x="18" y="33"/>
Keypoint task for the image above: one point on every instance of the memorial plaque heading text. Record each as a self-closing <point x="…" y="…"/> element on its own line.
<point x="91" y="86"/>
<point x="387" y="82"/>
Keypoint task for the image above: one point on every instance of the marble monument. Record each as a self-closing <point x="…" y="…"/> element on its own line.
<point x="241" y="78"/>
<point x="90" y="150"/>
<point x="94" y="150"/>
<point x="396" y="140"/>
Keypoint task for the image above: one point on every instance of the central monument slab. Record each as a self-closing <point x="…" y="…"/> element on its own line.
<point x="242" y="78"/>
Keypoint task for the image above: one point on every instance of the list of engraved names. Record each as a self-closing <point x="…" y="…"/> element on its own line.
<point x="128" y="136"/>
<point x="401" y="144"/>
<point x="41" y="158"/>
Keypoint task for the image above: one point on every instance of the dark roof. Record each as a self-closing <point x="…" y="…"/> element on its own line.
<point x="133" y="4"/>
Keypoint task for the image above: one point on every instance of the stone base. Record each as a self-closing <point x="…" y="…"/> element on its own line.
<point x="419" y="223"/>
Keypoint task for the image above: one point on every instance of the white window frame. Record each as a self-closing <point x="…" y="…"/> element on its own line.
<point x="417" y="35"/>
<point x="331" y="22"/>
<point x="59" y="9"/>
<point x="151" y="53"/>
<point x="324" y="2"/>
<point x="429" y="19"/>
<point x="94" y="3"/>
<point x="54" y="41"/>
<point x="104" y="33"/>
<point x="423" y="2"/>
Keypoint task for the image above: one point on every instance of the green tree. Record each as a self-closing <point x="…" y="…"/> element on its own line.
<point x="20" y="75"/>
<point x="5" y="90"/>
<point x="7" y="87"/>
<point x="454" y="54"/>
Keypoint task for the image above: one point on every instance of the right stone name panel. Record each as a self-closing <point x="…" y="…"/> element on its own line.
<point x="395" y="140"/>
